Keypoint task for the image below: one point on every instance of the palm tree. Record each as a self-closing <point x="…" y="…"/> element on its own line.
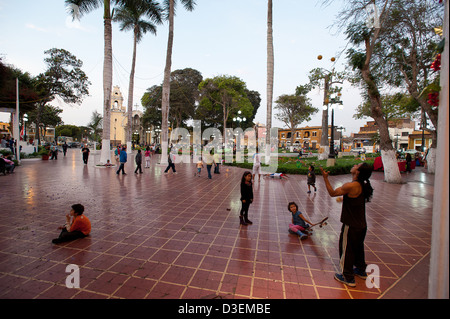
<point x="132" y="16"/>
<point x="95" y="125"/>
<point x="270" y="68"/>
<point x="170" y="9"/>
<point x="77" y="8"/>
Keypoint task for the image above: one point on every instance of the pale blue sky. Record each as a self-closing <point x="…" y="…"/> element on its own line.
<point x="218" y="37"/>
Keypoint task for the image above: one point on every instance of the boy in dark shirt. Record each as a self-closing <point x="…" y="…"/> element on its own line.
<point x="138" y="160"/>
<point x="311" y="179"/>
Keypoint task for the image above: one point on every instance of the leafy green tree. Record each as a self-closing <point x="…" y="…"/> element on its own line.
<point x="63" y="78"/>
<point x="224" y="96"/>
<point x="95" y="126"/>
<point x="406" y="51"/>
<point x="293" y="110"/>
<point x="255" y="99"/>
<point x="49" y="116"/>
<point x="67" y="130"/>
<point x="184" y="94"/>
<point x="8" y="95"/>
<point x="363" y="37"/>
<point x="151" y="101"/>
<point x="394" y="106"/>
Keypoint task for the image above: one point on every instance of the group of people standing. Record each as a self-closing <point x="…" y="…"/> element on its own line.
<point x="353" y="196"/>
<point x="121" y="156"/>
<point x="209" y="159"/>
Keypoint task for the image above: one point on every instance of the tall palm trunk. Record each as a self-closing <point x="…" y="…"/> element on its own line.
<point x="270" y="71"/>
<point x="165" y="107"/>
<point x="107" y="83"/>
<point x="130" y="95"/>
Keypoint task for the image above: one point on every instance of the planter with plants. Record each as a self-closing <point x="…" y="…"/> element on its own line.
<point x="44" y="152"/>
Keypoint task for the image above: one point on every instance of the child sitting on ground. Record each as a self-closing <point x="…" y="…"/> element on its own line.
<point x="300" y="224"/>
<point x="77" y="225"/>
<point x="108" y="163"/>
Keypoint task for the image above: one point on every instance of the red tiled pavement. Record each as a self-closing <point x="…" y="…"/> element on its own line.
<point x="178" y="236"/>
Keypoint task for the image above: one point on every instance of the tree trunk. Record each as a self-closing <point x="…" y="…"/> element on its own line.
<point x="37" y="134"/>
<point x="324" y="149"/>
<point x="391" y="169"/>
<point x="433" y="116"/>
<point x="292" y="135"/>
<point x="165" y="107"/>
<point x="130" y="98"/>
<point x="413" y="89"/>
<point x="225" y="118"/>
<point x="270" y="72"/>
<point x="107" y="85"/>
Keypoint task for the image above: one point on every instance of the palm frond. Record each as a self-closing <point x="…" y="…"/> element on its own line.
<point x="77" y="8"/>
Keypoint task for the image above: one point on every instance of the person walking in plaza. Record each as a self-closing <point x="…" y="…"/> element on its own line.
<point x="117" y="153"/>
<point x="138" y="160"/>
<point x="171" y="163"/>
<point x="354" y="225"/>
<point x="209" y="161"/>
<point x="217" y="161"/>
<point x="85" y="152"/>
<point x="64" y="147"/>
<point x="77" y="225"/>
<point x="199" y="167"/>
<point x="54" y="151"/>
<point x="256" y="165"/>
<point x="147" y="157"/>
<point x="311" y="179"/>
<point x="246" y="197"/>
<point x="123" y="159"/>
<point x="408" y="163"/>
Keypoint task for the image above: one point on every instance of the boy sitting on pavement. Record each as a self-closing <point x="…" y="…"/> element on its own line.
<point x="77" y="225"/>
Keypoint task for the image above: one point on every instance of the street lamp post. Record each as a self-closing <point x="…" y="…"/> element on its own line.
<point x="333" y="101"/>
<point x="239" y="120"/>
<point x="331" y="161"/>
<point x="328" y="78"/>
<point x="340" y="129"/>
<point x="423" y="126"/>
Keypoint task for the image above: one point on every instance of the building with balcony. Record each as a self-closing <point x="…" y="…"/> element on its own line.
<point x="306" y="137"/>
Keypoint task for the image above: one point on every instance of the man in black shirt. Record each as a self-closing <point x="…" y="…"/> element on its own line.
<point x="85" y="152"/>
<point x="354" y="226"/>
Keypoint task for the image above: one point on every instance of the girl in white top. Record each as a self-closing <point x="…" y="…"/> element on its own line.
<point x="256" y="165"/>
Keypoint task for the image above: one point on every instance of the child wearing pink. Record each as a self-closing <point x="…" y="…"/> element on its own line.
<point x="147" y="157"/>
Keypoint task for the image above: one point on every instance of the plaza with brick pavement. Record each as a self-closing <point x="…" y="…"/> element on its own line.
<point x="177" y="236"/>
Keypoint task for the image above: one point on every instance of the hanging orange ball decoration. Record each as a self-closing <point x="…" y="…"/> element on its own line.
<point x="319" y="57"/>
<point x="333" y="59"/>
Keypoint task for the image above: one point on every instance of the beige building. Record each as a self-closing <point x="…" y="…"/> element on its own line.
<point x="306" y="137"/>
<point x="119" y="120"/>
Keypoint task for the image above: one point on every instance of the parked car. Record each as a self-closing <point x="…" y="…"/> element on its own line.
<point x="74" y="145"/>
